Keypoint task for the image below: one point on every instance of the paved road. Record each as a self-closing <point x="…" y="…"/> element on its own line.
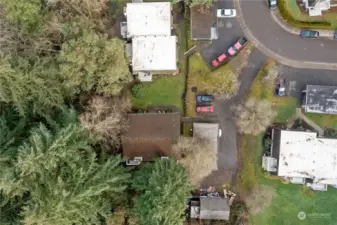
<point x="259" y="21"/>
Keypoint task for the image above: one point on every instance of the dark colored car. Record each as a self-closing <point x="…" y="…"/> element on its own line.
<point x="200" y="108"/>
<point x="309" y="33"/>
<point x="281" y="90"/>
<point x="335" y="35"/>
<point x="272" y="4"/>
<point x="221" y="58"/>
<point x="204" y="99"/>
<point x="239" y="44"/>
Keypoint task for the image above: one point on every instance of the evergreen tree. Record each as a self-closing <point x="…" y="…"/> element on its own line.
<point x="163" y="188"/>
<point x="61" y="179"/>
<point x="29" y="85"/>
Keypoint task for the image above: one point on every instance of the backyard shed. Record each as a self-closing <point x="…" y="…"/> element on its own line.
<point x="210" y="133"/>
<point x="214" y="208"/>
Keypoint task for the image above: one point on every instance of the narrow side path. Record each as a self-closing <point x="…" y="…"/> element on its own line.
<point x="300" y="115"/>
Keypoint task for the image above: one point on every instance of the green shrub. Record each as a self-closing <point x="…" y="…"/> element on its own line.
<point x="139" y="90"/>
<point x="301" y="24"/>
<point x="306" y="191"/>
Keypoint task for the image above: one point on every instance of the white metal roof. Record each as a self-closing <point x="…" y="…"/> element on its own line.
<point x="154" y="53"/>
<point x="148" y="18"/>
<point x="208" y="132"/>
<point x="303" y="154"/>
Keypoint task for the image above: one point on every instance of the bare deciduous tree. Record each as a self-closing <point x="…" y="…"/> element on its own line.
<point x="196" y="156"/>
<point x="105" y="118"/>
<point x="254" y="116"/>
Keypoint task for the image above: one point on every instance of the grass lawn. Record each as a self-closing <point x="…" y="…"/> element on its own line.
<point x="165" y="90"/>
<point x="293" y="9"/>
<point x="323" y="120"/>
<point x="223" y="80"/>
<point x="285" y="106"/>
<point x="288" y="199"/>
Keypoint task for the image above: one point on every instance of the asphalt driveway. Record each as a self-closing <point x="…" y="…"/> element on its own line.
<point x="227" y="155"/>
<point x="269" y="33"/>
<point x="297" y="79"/>
<point x="229" y="31"/>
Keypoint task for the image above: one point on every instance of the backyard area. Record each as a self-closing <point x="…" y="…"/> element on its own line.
<point x="164" y="90"/>
<point x="295" y="15"/>
<point x="270" y="199"/>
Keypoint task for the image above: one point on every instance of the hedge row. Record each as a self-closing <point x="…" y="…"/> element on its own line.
<point x="301" y="24"/>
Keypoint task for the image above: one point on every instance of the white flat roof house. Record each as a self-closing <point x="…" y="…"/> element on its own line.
<point x="305" y="158"/>
<point x="154" y="50"/>
<point x="154" y="53"/>
<point x="148" y="18"/>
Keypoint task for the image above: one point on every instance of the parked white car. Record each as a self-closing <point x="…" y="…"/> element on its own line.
<point x="226" y="13"/>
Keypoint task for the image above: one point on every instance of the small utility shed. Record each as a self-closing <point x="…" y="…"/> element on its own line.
<point x="150" y="135"/>
<point x="214" y="208"/>
<point x="321" y="99"/>
<point x="203" y="24"/>
<point x="208" y="132"/>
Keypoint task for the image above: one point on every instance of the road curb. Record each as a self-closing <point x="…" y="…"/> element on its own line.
<point x="271" y="54"/>
<point x="277" y="17"/>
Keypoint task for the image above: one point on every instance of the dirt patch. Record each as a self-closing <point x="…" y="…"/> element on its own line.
<point x="259" y="197"/>
<point x="218" y="179"/>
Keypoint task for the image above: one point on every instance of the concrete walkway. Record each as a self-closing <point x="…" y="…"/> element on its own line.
<point x="277" y="17"/>
<point x="303" y="117"/>
<point x="283" y="60"/>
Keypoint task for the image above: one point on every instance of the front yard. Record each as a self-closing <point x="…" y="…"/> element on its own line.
<point x="272" y="201"/>
<point x="223" y="82"/>
<point x="285" y="106"/>
<point x="291" y="11"/>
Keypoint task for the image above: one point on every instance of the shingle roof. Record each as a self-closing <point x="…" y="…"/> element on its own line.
<point x="151" y="135"/>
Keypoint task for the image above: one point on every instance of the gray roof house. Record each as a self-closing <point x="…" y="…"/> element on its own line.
<point x="321" y="99"/>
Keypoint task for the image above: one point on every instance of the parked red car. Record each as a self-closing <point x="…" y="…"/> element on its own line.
<point x="221" y="58"/>
<point x="205" y="108"/>
<point x="239" y="44"/>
